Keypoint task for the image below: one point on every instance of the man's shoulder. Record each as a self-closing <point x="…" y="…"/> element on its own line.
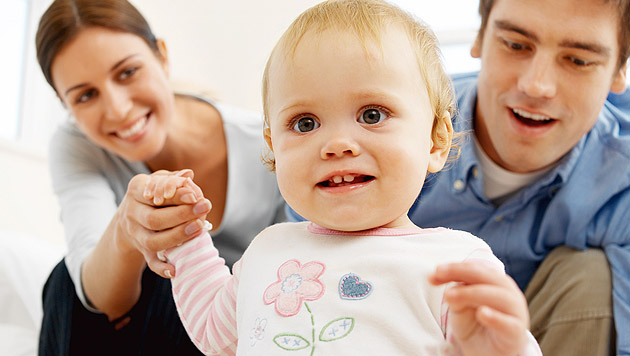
<point x="467" y="79"/>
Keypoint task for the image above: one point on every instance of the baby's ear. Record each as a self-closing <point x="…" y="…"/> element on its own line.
<point x="441" y="136"/>
<point x="267" y="134"/>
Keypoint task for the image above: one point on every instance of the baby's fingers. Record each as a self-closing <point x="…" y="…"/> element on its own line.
<point x="508" y="332"/>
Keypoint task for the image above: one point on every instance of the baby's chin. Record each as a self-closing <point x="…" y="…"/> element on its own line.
<point x="352" y="224"/>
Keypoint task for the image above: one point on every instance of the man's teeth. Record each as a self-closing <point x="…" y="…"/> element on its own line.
<point x="338" y="179"/>
<point x="139" y="125"/>
<point x="529" y="115"/>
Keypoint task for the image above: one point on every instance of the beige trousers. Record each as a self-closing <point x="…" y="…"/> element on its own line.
<point x="570" y="303"/>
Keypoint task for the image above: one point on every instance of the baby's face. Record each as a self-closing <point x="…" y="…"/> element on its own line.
<point x="350" y="130"/>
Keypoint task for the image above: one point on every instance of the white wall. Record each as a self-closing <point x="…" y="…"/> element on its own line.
<point x="221" y="44"/>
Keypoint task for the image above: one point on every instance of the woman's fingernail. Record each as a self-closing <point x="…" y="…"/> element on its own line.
<point x="202" y="207"/>
<point x="193" y="227"/>
<point x="167" y="273"/>
<point x="188" y="198"/>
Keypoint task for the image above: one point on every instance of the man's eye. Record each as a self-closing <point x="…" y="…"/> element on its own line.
<point x="579" y="62"/>
<point x="514" y="45"/>
<point x="372" y="116"/>
<point x="305" y="124"/>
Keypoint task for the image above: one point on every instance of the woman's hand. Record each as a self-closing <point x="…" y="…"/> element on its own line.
<point x="488" y="313"/>
<point x="158" y="212"/>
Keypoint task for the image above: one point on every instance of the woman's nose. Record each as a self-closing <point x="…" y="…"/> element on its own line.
<point x="116" y="103"/>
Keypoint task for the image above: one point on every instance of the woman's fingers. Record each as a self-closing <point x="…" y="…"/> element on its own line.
<point x="161" y="268"/>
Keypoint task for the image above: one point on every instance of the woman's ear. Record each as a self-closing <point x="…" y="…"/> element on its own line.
<point x="162" y="54"/>
<point x="441" y="138"/>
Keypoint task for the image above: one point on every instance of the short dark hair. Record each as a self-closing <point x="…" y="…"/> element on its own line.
<point x="623" y="6"/>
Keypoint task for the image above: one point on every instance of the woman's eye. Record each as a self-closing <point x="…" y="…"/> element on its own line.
<point x="305" y="124"/>
<point x="127" y="73"/>
<point x="372" y="116"/>
<point x="86" y="96"/>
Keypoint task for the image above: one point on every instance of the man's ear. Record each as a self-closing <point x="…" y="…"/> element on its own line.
<point x="475" y="50"/>
<point x="619" y="80"/>
<point x="441" y="143"/>
<point x="163" y="54"/>
<point x="267" y="134"/>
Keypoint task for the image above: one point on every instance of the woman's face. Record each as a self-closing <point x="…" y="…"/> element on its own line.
<point x="117" y="89"/>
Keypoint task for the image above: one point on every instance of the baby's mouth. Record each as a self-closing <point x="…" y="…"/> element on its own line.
<point x="347" y="179"/>
<point x="531" y="119"/>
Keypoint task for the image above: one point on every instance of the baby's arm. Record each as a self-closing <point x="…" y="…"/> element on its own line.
<point x="488" y="313"/>
<point x="203" y="288"/>
<point x="205" y="295"/>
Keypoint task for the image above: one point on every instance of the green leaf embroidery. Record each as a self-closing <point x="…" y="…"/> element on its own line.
<point x="336" y="329"/>
<point x="291" y="342"/>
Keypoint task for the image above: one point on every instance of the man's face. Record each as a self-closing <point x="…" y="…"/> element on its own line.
<point x="547" y="67"/>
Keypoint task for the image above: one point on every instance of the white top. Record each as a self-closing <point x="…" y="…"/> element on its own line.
<point x="498" y="183"/>
<point x="303" y="287"/>
<point x="91" y="182"/>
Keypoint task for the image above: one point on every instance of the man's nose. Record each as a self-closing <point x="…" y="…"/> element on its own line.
<point x="539" y="78"/>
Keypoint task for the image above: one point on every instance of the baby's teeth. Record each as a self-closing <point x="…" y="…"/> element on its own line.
<point x="337" y="179"/>
<point x="348" y="178"/>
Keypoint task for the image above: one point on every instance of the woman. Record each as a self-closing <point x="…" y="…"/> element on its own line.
<point x="111" y="73"/>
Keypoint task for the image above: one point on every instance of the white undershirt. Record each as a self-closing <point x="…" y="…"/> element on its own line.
<point x="499" y="184"/>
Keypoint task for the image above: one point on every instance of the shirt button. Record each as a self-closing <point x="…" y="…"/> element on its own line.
<point x="459" y="185"/>
<point x="498" y="218"/>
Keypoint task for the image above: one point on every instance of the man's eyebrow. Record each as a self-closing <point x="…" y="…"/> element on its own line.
<point x="587" y="46"/>
<point x="508" y="26"/>
<point x="114" y="67"/>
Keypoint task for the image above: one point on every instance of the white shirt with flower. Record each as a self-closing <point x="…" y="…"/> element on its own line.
<point x="301" y="289"/>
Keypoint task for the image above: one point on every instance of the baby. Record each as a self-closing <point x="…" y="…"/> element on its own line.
<point x="357" y="111"/>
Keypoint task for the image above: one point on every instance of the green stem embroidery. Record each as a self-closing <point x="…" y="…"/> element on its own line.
<point x="312" y="327"/>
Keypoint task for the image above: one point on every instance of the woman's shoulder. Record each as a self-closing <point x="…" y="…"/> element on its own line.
<point x="230" y="114"/>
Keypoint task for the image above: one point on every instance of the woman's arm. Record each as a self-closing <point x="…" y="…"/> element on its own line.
<point x="111" y="273"/>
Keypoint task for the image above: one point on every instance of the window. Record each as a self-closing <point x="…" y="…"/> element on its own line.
<point x="13" y="20"/>
<point x="456" y="30"/>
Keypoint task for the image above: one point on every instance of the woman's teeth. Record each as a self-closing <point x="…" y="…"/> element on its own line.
<point x="528" y="115"/>
<point x="139" y="125"/>
<point x="338" y="179"/>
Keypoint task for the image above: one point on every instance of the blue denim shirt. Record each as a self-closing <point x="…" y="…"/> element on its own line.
<point x="583" y="202"/>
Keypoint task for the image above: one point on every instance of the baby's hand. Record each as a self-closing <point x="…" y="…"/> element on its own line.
<point x="488" y="313"/>
<point x="166" y="188"/>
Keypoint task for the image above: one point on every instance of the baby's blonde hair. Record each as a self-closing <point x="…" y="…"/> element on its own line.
<point x="366" y="19"/>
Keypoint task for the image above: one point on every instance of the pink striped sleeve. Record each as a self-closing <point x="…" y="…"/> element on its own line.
<point x="205" y="295"/>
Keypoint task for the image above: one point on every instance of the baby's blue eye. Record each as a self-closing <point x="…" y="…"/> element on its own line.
<point x="372" y="116"/>
<point x="305" y="124"/>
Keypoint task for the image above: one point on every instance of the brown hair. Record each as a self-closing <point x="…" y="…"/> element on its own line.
<point x="64" y="19"/>
<point x="366" y="18"/>
<point x="623" y="6"/>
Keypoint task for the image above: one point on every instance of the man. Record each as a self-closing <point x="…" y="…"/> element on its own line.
<point x="544" y="176"/>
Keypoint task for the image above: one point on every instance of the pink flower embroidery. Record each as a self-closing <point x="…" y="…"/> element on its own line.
<point x="296" y="283"/>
